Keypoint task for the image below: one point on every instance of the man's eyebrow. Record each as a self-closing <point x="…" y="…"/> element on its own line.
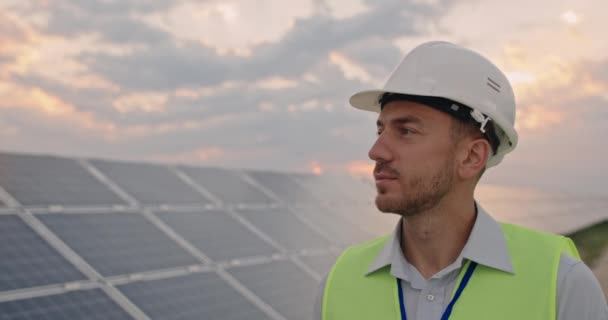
<point x="401" y="121"/>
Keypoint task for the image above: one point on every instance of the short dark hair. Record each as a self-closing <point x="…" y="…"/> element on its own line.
<point x="465" y="122"/>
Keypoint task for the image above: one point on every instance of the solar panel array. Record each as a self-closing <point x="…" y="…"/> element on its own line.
<point x="102" y="239"/>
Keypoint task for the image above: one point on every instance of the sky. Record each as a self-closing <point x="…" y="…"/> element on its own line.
<point x="265" y="84"/>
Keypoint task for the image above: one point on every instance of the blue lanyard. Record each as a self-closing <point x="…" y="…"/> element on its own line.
<point x="448" y="310"/>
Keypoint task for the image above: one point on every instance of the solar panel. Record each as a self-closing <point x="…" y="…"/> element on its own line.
<point x="368" y="218"/>
<point x="117" y="243"/>
<point x="216" y="234"/>
<point x="150" y="184"/>
<point x="195" y="296"/>
<point x="227" y="185"/>
<point x="29" y="261"/>
<point x="85" y="304"/>
<point x="321" y="263"/>
<point x="546" y="211"/>
<point x="43" y="181"/>
<point x="342" y="189"/>
<point x="282" y="285"/>
<point x="560" y="223"/>
<point x="285" y="228"/>
<point x="341" y="230"/>
<point x="283" y="186"/>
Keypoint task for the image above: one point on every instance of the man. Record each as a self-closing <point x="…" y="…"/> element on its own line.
<point x="445" y="115"/>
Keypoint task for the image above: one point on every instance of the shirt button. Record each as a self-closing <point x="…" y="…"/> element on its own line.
<point x="430" y="297"/>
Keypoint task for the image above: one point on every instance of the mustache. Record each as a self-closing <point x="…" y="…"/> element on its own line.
<point x="382" y="167"/>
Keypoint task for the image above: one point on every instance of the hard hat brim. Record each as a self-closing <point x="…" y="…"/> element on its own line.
<point x="367" y="100"/>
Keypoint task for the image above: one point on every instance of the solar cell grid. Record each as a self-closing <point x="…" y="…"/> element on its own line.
<point x="86" y="304"/>
<point x="227" y="185"/>
<point x="341" y="189"/>
<point x="283" y="186"/>
<point x="150" y="184"/>
<point x="117" y="243"/>
<point x="122" y="243"/>
<point x="320" y="263"/>
<point x="368" y="218"/>
<point x="285" y="228"/>
<point x="216" y="234"/>
<point x="282" y="285"/>
<point x="43" y="181"/>
<point x="195" y="296"/>
<point x="341" y="230"/>
<point x="27" y="260"/>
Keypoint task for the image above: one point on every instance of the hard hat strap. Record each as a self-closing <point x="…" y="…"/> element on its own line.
<point x="481" y="118"/>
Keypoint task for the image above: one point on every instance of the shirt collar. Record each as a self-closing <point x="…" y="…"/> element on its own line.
<point x="486" y="245"/>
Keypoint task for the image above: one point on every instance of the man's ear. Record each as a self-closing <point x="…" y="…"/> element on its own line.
<point x="473" y="157"/>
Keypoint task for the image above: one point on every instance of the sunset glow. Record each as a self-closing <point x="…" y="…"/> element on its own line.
<point x="265" y="85"/>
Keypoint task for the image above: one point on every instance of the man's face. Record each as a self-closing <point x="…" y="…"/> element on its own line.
<point x="414" y="155"/>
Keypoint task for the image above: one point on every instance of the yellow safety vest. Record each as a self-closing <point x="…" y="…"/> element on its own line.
<point x="529" y="293"/>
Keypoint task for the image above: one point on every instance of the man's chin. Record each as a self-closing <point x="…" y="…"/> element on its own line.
<point x="387" y="204"/>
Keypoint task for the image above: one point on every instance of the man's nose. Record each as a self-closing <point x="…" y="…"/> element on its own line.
<point x="380" y="151"/>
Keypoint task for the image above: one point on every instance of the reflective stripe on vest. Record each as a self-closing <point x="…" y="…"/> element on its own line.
<point x="529" y="293"/>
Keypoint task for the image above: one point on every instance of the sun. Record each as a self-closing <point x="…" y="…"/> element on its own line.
<point x="228" y="11"/>
<point x="570" y="17"/>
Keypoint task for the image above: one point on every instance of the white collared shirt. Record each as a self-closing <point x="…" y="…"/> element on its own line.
<point x="579" y="296"/>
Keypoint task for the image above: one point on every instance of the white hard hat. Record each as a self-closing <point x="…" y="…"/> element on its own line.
<point x="445" y="70"/>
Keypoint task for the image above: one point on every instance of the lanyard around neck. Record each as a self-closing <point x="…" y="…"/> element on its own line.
<point x="448" y="310"/>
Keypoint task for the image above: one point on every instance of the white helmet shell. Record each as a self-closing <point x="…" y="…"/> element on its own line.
<point x="443" y="69"/>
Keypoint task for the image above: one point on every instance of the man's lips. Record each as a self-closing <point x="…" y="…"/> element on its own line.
<point x="383" y="177"/>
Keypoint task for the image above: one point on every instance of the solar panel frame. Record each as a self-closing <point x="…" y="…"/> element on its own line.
<point x="203" y="295"/>
<point x="28" y="260"/>
<point x="117" y="243"/>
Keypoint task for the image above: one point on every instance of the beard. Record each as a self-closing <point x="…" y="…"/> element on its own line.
<point x="419" y="193"/>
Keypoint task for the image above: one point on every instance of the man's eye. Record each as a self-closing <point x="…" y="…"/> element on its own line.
<point x="405" y="131"/>
<point x="379" y="132"/>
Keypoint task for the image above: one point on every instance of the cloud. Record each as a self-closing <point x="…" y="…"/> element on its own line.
<point x="180" y="71"/>
<point x="158" y="96"/>
<point x="378" y="55"/>
<point x="171" y="64"/>
<point x="112" y="20"/>
<point x="562" y="121"/>
<point x="146" y="102"/>
<point x="13" y="36"/>
<point x="151" y="80"/>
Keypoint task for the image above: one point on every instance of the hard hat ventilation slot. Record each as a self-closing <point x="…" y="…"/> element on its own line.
<point x="493" y="84"/>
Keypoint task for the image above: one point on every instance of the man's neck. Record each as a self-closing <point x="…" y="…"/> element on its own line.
<point x="433" y="239"/>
